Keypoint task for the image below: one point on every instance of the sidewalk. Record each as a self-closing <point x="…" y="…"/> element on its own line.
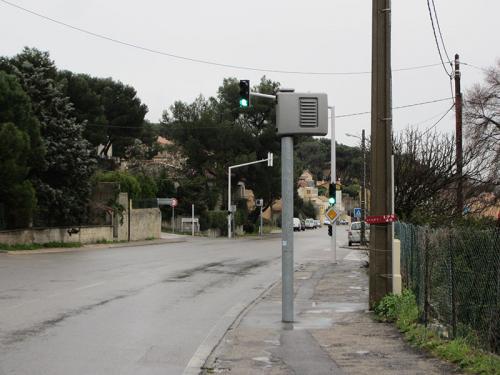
<point x="333" y="333"/>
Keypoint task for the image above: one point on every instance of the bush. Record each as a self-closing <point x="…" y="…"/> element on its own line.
<point x="249" y="228"/>
<point x="403" y="310"/>
<point x="214" y="220"/>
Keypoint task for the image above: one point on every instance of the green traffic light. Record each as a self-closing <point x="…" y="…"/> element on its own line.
<point x="331" y="200"/>
<point x="243" y="103"/>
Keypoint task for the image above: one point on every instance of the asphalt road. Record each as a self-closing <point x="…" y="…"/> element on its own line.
<point x="156" y="309"/>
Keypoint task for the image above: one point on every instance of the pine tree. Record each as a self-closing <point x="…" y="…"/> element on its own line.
<point x="63" y="186"/>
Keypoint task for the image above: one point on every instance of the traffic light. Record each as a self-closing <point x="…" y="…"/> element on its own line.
<point x="244" y="93"/>
<point x="330" y="230"/>
<point x="331" y="194"/>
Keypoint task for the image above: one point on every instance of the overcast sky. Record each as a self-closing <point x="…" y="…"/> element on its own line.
<point x="313" y="36"/>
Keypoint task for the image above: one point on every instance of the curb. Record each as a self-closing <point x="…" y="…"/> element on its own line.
<point x="87" y="247"/>
<point x="203" y="358"/>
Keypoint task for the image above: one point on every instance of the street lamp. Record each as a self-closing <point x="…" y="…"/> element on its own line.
<point x="363" y="188"/>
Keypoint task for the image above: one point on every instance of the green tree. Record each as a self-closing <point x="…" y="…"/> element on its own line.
<point x="128" y="183"/>
<point x="63" y="188"/>
<point x="16" y="192"/>
<point x="215" y="133"/>
<point x="111" y="112"/>
<point x="21" y="150"/>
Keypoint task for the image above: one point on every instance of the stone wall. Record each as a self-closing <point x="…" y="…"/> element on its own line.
<point x="85" y="234"/>
<point x="144" y="223"/>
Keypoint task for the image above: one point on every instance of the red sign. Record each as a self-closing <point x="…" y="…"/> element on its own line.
<point x="174" y="202"/>
<point x="381" y="219"/>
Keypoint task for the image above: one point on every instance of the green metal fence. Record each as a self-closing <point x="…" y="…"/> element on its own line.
<point x="455" y="275"/>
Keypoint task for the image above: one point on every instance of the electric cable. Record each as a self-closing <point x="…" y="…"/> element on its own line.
<point x="194" y="59"/>
<point x="437" y="122"/>
<point x="436" y="39"/>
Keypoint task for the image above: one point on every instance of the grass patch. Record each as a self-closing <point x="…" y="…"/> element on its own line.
<point x="403" y="311"/>
<point x="38" y="246"/>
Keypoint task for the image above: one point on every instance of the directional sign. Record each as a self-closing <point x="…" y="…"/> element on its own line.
<point x="381" y="219"/>
<point x="164" y="201"/>
<point x="357" y="212"/>
<point x="332" y="214"/>
<point x="167" y="202"/>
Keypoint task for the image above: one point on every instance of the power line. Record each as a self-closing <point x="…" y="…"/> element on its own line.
<point x="441" y="34"/>
<point x="436" y="39"/>
<point x="428" y="119"/>
<point x="399" y="107"/>
<point x="198" y="60"/>
<point x="438" y="121"/>
<point x="219" y="127"/>
<point x="475" y="67"/>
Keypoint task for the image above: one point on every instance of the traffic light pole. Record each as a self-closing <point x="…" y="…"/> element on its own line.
<point x="333" y="180"/>
<point x="287" y="186"/>
<point x="230" y="215"/>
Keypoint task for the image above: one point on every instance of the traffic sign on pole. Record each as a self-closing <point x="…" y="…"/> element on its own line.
<point x="357" y="212"/>
<point x="332" y="214"/>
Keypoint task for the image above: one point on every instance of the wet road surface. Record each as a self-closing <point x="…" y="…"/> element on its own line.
<point x="136" y="310"/>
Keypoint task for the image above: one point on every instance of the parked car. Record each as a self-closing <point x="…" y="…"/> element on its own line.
<point x="326" y="222"/>
<point x="317" y="224"/>
<point x="296" y="224"/>
<point x="343" y="222"/>
<point x="309" y="223"/>
<point x="354" y="233"/>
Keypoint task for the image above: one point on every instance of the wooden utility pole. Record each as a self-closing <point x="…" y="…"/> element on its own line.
<point x="458" y="136"/>
<point x="381" y="235"/>
<point x="363" y="191"/>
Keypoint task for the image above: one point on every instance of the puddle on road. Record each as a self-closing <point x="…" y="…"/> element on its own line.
<point x="340" y="306"/>
<point x="312" y="323"/>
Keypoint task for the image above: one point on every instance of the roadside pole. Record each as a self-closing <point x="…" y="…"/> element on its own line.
<point x="333" y="180"/>
<point x="381" y="151"/>
<point x="363" y="192"/>
<point x="229" y="213"/>
<point x="287" y="227"/>
<point x="261" y="227"/>
<point x="173" y="219"/>
<point x="296" y="113"/>
<point x="192" y="220"/>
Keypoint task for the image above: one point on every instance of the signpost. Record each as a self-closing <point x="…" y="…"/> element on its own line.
<point x="260" y="203"/>
<point x="172" y="202"/>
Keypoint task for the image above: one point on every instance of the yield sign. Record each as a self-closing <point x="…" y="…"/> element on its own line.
<point x="331" y="214"/>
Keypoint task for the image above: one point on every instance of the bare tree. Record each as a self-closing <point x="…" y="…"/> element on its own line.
<point x="426" y="179"/>
<point x="424" y="175"/>
<point x="482" y="132"/>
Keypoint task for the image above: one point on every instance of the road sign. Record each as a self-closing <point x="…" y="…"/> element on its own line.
<point x="357" y="212"/>
<point x="164" y="201"/>
<point x="167" y="202"/>
<point x="332" y="214"/>
<point x="259" y="202"/>
<point x="381" y="219"/>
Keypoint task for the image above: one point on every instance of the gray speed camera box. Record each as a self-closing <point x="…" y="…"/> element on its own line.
<point x="302" y="113"/>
